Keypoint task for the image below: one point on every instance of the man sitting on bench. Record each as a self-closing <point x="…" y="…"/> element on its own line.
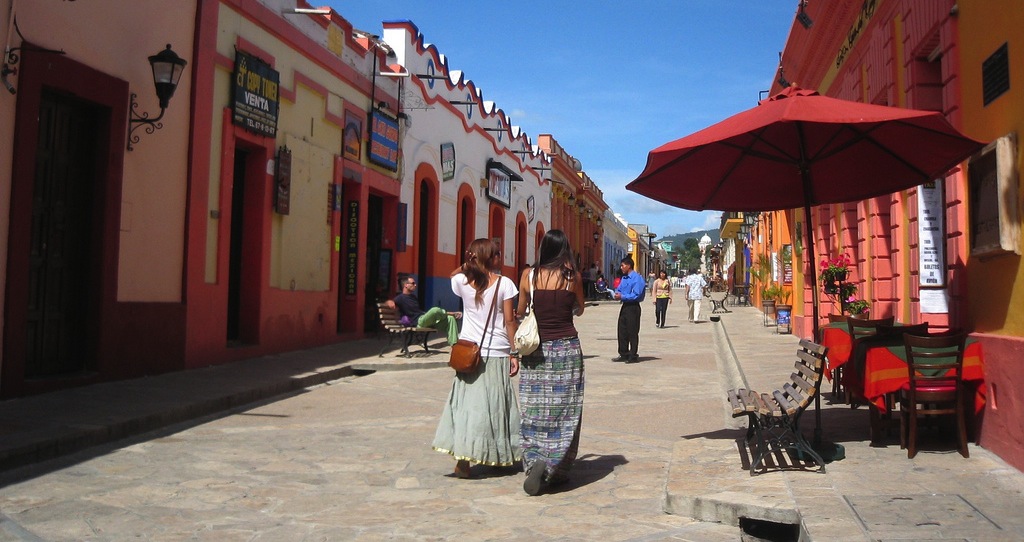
<point x="410" y="314"/>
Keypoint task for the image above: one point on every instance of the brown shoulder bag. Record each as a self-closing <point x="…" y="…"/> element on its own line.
<point x="465" y="356"/>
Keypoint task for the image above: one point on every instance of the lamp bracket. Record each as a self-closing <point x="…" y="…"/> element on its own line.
<point x="12" y="57"/>
<point x="136" y="121"/>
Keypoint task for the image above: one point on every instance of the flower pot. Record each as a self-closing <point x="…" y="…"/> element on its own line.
<point x="831" y="288"/>
<point x="839" y="275"/>
<point x="768" y="307"/>
<point x="862" y="316"/>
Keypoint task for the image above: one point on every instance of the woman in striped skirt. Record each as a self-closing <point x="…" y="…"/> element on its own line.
<point x="551" y="378"/>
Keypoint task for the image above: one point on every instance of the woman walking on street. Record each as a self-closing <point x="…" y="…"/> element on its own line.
<point x="551" y="383"/>
<point x="662" y="292"/>
<point x="480" y="421"/>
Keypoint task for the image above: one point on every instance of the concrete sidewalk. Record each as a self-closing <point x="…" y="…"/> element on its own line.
<point x="671" y="397"/>
<point x="874" y="493"/>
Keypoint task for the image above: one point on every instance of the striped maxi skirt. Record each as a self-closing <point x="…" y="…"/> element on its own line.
<point x="551" y="406"/>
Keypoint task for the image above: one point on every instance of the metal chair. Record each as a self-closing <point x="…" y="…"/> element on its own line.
<point x="935" y="386"/>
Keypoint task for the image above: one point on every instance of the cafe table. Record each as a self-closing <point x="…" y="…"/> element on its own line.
<point x="836" y="336"/>
<point x="885" y="372"/>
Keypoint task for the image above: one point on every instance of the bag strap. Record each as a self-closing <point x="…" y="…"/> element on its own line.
<point x="531" y="290"/>
<point x="490" y="313"/>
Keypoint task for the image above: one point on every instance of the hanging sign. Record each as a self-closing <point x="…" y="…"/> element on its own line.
<point x="383" y="149"/>
<point x="255" y="95"/>
<point x="283" y="181"/>
<point x="931" y="235"/>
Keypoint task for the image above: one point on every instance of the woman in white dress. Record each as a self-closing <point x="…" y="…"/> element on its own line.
<point x="480" y="421"/>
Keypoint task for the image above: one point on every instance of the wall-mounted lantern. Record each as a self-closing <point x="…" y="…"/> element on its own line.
<point x="167" y="67"/>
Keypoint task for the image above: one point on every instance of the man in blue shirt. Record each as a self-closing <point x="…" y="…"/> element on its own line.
<point x="631" y="292"/>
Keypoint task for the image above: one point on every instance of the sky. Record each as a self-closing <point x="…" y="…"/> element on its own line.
<point x="610" y="80"/>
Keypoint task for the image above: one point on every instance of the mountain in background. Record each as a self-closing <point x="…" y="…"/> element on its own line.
<point x="677" y="239"/>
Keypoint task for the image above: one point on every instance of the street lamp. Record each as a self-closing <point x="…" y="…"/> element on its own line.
<point x="650" y="253"/>
<point x="167" y="67"/>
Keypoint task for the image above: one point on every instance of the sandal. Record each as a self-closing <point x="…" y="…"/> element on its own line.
<point x="534" y="479"/>
<point x="462" y="469"/>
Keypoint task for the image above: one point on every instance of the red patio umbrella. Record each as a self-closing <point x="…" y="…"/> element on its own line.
<point x="800" y="149"/>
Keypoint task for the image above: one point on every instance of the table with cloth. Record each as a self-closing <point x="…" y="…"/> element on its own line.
<point x="885" y="372"/>
<point x="877" y="369"/>
<point x="836" y="336"/>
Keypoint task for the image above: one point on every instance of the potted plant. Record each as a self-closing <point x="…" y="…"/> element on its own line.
<point x="834" y="271"/>
<point x="857" y="308"/>
<point x="761" y="271"/>
<point x="770" y="295"/>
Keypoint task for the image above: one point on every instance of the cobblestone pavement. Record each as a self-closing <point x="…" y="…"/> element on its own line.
<point x="326" y="454"/>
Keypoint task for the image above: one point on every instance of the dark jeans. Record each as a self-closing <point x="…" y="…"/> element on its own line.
<point x="660" y="308"/>
<point x="629" y="329"/>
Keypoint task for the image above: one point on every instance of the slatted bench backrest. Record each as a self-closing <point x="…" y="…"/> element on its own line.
<point x="805" y="382"/>
<point x="389" y="317"/>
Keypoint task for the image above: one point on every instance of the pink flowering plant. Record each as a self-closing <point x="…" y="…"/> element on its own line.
<point x="834" y="266"/>
<point x="856" y="306"/>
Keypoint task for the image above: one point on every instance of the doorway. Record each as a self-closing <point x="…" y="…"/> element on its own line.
<point x="378" y="270"/>
<point x="64" y="245"/>
<point x="243" y="274"/>
<point x="424" y="238"/>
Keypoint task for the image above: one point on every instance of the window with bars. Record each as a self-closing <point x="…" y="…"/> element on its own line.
<point x="995" y="74"/>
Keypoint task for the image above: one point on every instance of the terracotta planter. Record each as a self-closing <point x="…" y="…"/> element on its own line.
<point x="768" y="308"/>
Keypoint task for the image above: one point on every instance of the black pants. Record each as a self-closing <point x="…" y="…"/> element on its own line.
<point x="660" y="308"/>
<point x="629" y="329"/>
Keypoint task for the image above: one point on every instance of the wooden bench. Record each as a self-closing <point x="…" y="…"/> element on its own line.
<point x="773" y="418"/>
<point x="394" y="330"/>
<point x="718" y="301"/>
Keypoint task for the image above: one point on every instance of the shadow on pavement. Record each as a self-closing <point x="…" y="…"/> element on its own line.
<point x="588" y="469"/>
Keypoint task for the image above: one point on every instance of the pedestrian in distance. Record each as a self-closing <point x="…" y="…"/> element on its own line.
<point x="551" y="378"/>
<point x="631" y="292"/>
<point x="410" y="313"/>
<point x="662" y="292"/>
<point x="695" y="285"/>
<point x="589" y="282"/>
<point x="480" y="421"/>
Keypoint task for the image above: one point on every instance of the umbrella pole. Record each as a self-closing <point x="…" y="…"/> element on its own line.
<point x="814" y="311"/>
<point x="829" y="451"/>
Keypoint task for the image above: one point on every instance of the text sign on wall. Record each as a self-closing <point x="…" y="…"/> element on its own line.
<point x="383" y="149"/>
<point x="931" y="235"/>
<point x="283" y="181"/>
<point x="351" y="139"/>
<point x="255" y="95"/>
<point x="351" y="247"/>
<point x="499" y="183"/>
<point x="447" y="161"/>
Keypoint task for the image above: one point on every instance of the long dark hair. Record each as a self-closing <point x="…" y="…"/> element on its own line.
<point x="477" y="266"/>
<point x="556" y="255"/>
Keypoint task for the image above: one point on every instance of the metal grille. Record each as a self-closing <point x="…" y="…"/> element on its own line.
<point x="995" y="74"/>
